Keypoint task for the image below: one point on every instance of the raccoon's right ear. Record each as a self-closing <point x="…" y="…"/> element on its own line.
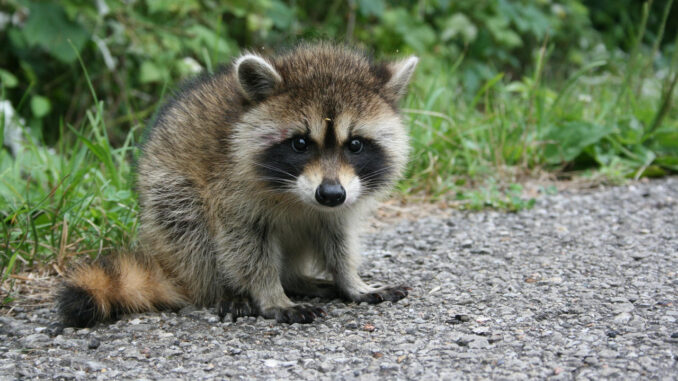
<point x="258" y="78"/>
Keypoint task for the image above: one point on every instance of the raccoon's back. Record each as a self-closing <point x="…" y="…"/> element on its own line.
<point x="191" y="129"/>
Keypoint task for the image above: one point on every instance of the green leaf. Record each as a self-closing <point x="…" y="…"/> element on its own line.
<point x="181" y="7"/>
<point x="666" y="139"/>
<point x="418" y="35"/>
<point x="420" y="38"/>
<point x="150" y="72"/>
<point x="7" y="79"/>
<point x="500" y="29"/>
<point x="49" y="28"/>
<point x="202" y="37"/>
<point x="459" y="25"/>
<point x="282" y="15"/>
<point x="564" y="142"/>
<point x="653" y="171"/>
<point x="371" y="7"/>
<point x="40" y="106"/>
<point x="670" y="162"/>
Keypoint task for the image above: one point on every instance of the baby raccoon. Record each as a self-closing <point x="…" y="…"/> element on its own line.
<point x="254" y="182"/>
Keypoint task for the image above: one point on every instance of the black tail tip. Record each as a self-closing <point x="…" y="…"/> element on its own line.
<point x="77" y="307"/>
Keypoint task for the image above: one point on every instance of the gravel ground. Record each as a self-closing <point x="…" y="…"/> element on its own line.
<point x="584" y="285"/>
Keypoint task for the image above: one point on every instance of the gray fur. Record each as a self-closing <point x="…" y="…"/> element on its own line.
<point x="208" y="218"/>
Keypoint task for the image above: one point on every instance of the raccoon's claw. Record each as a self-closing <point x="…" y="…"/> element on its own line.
<point x="239" y="307"/>
<point x="391" y="294"/>
<point x="303" y="314"/>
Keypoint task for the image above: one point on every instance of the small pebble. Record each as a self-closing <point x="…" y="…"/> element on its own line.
<point x="93" y="343"/>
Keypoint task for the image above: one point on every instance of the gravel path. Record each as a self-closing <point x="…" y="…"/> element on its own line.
<point x="584" y="285"/>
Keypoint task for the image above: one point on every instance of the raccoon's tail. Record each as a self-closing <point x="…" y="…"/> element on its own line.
<point x="118" y="284"/>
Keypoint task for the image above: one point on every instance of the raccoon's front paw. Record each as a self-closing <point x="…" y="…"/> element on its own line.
<point x="237" y="307"/>
<point x="300" y="313"/>
<point x="391" y="294"/>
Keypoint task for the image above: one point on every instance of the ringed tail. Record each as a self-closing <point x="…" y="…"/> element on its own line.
<point x="119" y="284"/>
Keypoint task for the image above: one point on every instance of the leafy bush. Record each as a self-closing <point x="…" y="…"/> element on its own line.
<point x="134" y="51"/>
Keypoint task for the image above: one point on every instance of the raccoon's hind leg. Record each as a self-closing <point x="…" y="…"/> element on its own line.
<point x="249" y="259"/>
<point x="302" y="285"/>
<point x="297" y="280"/>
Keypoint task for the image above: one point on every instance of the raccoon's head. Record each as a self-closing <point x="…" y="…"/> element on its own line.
<point x="322" y="125"/>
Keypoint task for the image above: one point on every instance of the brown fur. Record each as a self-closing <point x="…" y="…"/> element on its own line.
<point x="213" y="228"/>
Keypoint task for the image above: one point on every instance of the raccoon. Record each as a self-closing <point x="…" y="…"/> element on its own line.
<point x="253" y="184"/>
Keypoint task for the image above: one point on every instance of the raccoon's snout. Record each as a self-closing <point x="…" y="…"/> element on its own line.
<point x="330" y="193"/>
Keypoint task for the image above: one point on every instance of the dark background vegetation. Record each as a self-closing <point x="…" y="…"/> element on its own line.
<point x="135" y="50"/>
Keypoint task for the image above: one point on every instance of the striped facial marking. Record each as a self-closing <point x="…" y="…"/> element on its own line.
<point x="328" y="166"/>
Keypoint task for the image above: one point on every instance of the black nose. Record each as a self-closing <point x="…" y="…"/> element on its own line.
<point x="330" y="194"/>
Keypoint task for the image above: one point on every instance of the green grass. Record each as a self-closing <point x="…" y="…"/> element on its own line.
<point x="610" y="119"/>
<point x="614" y="118"/>
<point x="68" y="200"/>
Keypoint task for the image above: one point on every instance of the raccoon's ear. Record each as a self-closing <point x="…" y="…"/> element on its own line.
<point x="401" y="72"/>
<point x="257" y="77"/>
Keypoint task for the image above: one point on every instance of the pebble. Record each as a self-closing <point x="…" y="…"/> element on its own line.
<point x="622" y="307"/>
<point x="389" y="367"/>
<point x="93" y="343"/>
<point x="622" y="318"/>
<point x="479" y="343"/>
<point x="35" y="340"/>
<point x="94" y="365"/>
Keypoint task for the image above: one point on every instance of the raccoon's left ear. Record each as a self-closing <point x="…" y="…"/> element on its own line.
<point x="401" y="72"/>
<point x="256" y="76"/>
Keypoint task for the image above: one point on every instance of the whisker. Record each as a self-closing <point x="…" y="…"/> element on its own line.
<point x="275" y="169"/>
<point x="381" y="169"/>
<point x="291" y="183"/>
<point x="378" y="172"/>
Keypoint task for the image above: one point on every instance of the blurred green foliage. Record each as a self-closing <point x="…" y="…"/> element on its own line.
<point x="134" y="50"/>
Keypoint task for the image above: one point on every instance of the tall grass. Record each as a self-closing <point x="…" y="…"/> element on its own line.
<point x="64" y="201"/>
<point x="614" y="117"/>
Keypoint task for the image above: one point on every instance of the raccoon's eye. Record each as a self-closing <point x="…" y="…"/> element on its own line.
<point x="355" y="145"/>
<point x="299" y="144"/>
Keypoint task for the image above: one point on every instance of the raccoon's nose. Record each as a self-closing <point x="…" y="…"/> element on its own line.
<point x="330" y="194"/>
